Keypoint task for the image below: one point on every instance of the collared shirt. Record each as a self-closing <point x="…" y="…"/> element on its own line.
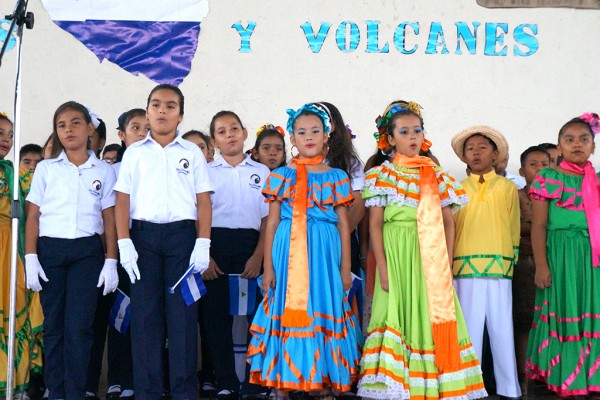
<point x="487" y="229"/>
<point x="237" y="201"/>
<point x="357" y="174"/>
<point x="162" y="182"/>
<point x="71" y="198"/>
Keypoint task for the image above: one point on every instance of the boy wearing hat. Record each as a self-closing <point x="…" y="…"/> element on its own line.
<point x="486" y="250"/>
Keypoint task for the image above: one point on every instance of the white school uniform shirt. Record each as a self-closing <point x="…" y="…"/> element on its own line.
<point x="71" y="198"/>
<point x="238" y="202"/>
<point x="357" y="174"/>
<point x="162" y="182"/>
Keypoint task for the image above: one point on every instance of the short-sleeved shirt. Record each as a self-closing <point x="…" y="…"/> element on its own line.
<point x="162" y="182"/>
<point x="71" y="198"/>
<point x="237" y="199"/>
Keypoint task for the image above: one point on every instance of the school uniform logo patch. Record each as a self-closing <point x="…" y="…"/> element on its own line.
<point x="96" y="189"/>
<point x="184" y="166"/>
<point x="255" y="182"/>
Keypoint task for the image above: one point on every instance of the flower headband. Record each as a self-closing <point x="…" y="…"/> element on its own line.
<point x="352" y="135"/>
<point x="383" y="122"/>
<point x="270" y="126"/>
<point x="592" y="120"/>
<point x="315" y="108"/>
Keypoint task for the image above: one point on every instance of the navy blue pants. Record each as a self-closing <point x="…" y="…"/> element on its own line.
<point x="230" y="248"/>
<point x="69" y="301"/>
<point x="164" y="254"/>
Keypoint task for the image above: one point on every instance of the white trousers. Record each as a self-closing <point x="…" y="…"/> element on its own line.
<point x="488" y="301"/>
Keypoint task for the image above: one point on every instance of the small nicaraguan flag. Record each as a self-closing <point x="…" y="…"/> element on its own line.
<point x="355" y="296"/>
<point x="156" y="38"/>
<point x="192" y="288"/>
<point x="242" y="295"/>
<point x="120" y="314"/>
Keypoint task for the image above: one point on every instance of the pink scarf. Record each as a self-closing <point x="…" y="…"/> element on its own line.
<point x="590" y="190"/>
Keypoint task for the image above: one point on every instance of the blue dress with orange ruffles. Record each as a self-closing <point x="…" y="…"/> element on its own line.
<point x="327" y="353"/>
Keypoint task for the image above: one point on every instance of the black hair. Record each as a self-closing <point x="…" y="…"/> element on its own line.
<point x="30" y="148"/>
<point x="494" y="146"/>
<point x="101" y="129"/>
<point x="200" y="134"/>
<point x="57" y="146"/>
<point x="221" y="114"/>
<point x="265" y="133"/>
<point x="341" y="152"/>
<point x="547" y="146"/>
<point x="576" y="121"/>
<point x="532" y="149"/>
<point x="111" y="147"/>
<point x="127" y="116"/>
<point x="401" y="113"/>
<point x="172" y="88"/>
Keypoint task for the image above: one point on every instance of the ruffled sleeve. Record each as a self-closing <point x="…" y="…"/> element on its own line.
<point x="451" y="191"/>
<point x="392" y="184"/>
<point x="546" y="185"/>
<point x="278" y="185"/>
<point x="327" y="188"/>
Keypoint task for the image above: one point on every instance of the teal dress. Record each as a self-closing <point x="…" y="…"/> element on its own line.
<point x="327" y="353"/>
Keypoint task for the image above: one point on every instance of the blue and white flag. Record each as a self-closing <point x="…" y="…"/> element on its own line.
<point x="242" y="295"/>
<point x="120" y="314"/>
<point x="155" y="38"/>
<point x="192" y="288"/>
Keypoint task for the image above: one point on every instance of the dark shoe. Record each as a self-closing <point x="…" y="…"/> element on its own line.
<point x="207" y="389"/>
<point x="91" y="397"/>
<point x="113" y="396"/>
<point x="509" y="398"/>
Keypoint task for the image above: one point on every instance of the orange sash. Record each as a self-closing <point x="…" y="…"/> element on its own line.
<point x="436" y="265"/>
<point x="296" y="295"/>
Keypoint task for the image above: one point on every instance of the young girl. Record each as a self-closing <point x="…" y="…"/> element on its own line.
<point x="71" y="203"/>
<point x="269" y="148"/>
<point x="28" y="313"/>
<point x="239" y="213"/>
<point x="564" y="342"/>
<point x="200" y="139"/>
<point x="133" y="127"/>
<point x="418" y="345"/>
<point x="163" y="216"/>
<point x="304" y="335"/>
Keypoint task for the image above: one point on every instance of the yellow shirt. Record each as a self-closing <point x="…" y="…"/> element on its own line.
<point x="487" y="230"/>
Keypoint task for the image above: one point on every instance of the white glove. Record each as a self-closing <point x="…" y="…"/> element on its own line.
<point x="33" y="272"/>
<point x="108" y="276"/>
<point x="200" y="255"/>
<point x="129" y="259"/>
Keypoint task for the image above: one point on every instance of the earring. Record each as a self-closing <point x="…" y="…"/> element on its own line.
<point x="325" y="150"/>
<point x="292" y="151"/>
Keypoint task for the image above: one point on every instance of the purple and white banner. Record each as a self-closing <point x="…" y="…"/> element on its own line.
<point x="155" y="38"/>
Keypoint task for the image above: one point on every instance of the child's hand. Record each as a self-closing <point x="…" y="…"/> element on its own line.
<point x="543" y="277"/>
<point x="346" y="279"/>
<point x="383" y="281"/>
<point x="252" y="267"/>
<point x="268" y="280"/>
<point x="213" y="271"/>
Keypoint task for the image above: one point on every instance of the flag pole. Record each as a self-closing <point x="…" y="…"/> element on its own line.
<point x="19" y="18"/>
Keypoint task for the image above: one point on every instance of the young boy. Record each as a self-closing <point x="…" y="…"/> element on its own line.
<point x="29" y="156"/>
<point x="110" y="152"/>
<point x="163" y="187"/>
<point x="485" y="251"/>
<point x="533" y="160"/>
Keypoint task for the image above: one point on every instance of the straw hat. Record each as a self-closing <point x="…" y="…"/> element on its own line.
<point x="458" y="141"/>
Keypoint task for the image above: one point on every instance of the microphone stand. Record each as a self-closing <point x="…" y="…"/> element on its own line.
<point x="20" y="17"/>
